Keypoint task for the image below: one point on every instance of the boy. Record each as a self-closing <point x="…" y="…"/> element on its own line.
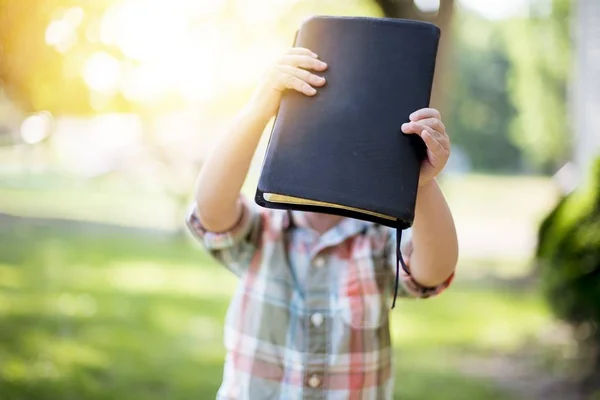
<point x="309" y="319"/>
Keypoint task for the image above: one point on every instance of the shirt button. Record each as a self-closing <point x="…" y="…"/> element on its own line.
<point x="319" y="262"/>
<point x="317" y="319"/>
<point x="314" y="381"/>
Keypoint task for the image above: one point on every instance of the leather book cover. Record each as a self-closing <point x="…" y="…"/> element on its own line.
<point x="342" y="151"/>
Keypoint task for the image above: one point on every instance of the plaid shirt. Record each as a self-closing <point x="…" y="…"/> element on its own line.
<point x="309" y="319"/>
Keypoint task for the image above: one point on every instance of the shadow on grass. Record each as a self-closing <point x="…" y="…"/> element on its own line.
<point x="126" y="346"/>
<point x="197" y="381"/>
<point x="111" y="355"/>
<point x="64" y="335"/>
<point x="415" y="382"/>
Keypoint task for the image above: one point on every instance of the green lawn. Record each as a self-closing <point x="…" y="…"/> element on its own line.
<point x="95" y="312"/>
<point x="117" y="316"/>
<point x="150" y="210"/>
<point x="516" y="201"/>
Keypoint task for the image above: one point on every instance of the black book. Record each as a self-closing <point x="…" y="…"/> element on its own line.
<point x="342" y="151"/>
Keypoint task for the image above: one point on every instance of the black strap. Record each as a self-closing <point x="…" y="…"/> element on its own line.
<point x="399" y="262"/>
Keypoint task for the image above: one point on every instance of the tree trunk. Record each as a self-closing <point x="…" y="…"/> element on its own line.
<point x="406" y="9"/>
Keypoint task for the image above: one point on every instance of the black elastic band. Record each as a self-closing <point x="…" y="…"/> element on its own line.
<point x="399" y="262"/>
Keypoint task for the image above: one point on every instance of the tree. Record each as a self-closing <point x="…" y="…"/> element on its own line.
<point x="407" y="9"/>
<point x="479" y="106"/>
<point x="540" y="57"/>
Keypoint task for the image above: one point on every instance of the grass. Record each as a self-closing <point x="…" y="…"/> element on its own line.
<point x="116" y="316"/>
<point x="91" y="205"/>
<point x="97" y="312"/>
<point x="512" y="200"/>
<point x="107" y="317"/>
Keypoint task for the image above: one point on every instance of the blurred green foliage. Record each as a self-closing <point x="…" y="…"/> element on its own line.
<point x="508" y="104"/>
<point x="539" y="50"/>
<point x="507" y="101"/>
<point x="569" y="250"/>
<point x="479" y="105"/>
<point x="569" y="257"/>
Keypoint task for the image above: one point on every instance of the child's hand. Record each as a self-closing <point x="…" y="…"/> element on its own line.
<point x="290" y="72"/>
<point x="427" y="124"/>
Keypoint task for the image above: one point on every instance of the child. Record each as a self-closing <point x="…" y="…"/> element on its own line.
<point x="309" y="319"/>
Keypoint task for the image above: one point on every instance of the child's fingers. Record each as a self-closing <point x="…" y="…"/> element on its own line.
<point x="285" y="81"/>
<point x="302" y="74"/>
<point x="425" y="113"/>
<point x="434" y="123"/>
<point x="433" y="145"/>
<point x="301" y="51"/>
<point x="418" y="129"/>
<point x="303" y="61"/>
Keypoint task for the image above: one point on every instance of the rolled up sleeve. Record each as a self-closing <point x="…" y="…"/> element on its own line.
<point x="409" y="287"/>
<point x="235" y="247"/>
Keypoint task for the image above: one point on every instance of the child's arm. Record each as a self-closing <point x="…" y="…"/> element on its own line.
<point x="223" y="173"/>
<point x="434" y="245"/>
<point x="434" y="242"/>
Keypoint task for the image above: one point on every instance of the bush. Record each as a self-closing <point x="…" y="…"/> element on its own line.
<point x="569" y="258"/>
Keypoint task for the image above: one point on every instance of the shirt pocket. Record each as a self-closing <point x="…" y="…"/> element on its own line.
<point x="363" y="290"/>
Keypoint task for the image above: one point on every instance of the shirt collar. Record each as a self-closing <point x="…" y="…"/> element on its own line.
<point x="345" y="228"/>
<point x="299" y="219"/>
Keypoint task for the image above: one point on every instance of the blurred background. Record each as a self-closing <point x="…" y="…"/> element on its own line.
<point x="108" y="108"/>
